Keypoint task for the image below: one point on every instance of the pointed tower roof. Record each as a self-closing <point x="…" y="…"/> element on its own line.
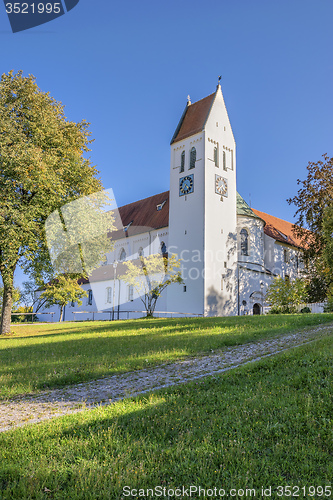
<point x="244" y="209"/>
<point x="193" y="119"/>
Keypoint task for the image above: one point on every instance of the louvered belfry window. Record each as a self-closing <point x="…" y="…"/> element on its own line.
<point x="182" y="162"/>
<point x="193" y="157"/>
<point x="216" y="156"/>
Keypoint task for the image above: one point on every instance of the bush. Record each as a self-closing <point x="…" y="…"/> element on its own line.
<point x="306" y="310"/>
<point x="284" y="295"/>
<point x="329" y="306"/>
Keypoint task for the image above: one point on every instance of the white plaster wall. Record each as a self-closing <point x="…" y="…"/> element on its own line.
<point x="255" y="229"/>
<point x="186" y="228"/>
<point x="220" y="216"/>
<point x="283" y="268"/>
<point x="150" y="240"/>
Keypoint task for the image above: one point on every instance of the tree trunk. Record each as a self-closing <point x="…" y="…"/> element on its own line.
<point x="7" y="302"/>
<point x="61" y="313"/>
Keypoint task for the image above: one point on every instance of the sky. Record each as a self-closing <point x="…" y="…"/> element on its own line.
<point x="127" y="68"/>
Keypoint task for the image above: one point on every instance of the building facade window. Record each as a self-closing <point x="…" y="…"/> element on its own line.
<point x="193" y="157"/>
<point x="122" y="255"/>
<point x="130" y="293"/>
<point x="224" y="161"/>
<point x="216" y="156"/>
<point x="244" y="242"/>
<point x="182" y="162"/>
<point x="286" y="256"/>
<point x="89" y="297"/>
<point x="108" y="295"/>
<point x="163" y="248"/>
<point x="140" y="252"/>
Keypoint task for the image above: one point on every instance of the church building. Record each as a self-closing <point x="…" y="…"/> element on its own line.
<point x="229" y="252"/>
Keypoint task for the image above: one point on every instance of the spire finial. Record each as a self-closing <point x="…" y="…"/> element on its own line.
<point x="219" y="81"/>
<point x="188" y="100"/>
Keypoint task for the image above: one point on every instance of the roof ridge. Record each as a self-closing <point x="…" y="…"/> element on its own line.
<point x="274" y="216"/>
<point x="167" y="193"/>
<point x="210" y="95"/>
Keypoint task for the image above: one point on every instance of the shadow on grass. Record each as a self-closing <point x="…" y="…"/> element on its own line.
<point x="254" y="426"/>
<point x="67" y="359"/>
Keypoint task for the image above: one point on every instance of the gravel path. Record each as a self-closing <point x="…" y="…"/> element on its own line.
<point x="30" y="409"/>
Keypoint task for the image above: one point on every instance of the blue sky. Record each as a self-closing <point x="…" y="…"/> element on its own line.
<point x="127" y="68"/>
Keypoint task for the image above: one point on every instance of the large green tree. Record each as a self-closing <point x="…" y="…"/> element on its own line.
<point x="42" y="167"/>
<point x="314" y="202"/>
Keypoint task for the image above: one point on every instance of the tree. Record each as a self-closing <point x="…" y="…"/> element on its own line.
<point x="284" y="295"/>
<point x="314" y="200"/>
<point x="149" y="276"/>
<point x="30" y="296"/>
<point x="328" y="236"/>
<point x="62" y="290"/>
<point x="42" y="167"/>
<point x="16" y="297"/>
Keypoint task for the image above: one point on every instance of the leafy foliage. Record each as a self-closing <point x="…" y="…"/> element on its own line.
<point x="16" y="297"/>
<point x="149" y="276"/>
<point x="314" y="203"/>
<point x="42" y="167"/>
<point x="284" y="295"/>
<point x="62" y="290"/>
<point x="328" y="236"/>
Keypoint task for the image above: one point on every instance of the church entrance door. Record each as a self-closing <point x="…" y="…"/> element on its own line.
<point x="256" y="309"/>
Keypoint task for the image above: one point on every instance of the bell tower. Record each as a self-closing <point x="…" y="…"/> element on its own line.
<point x="202" y="216"/>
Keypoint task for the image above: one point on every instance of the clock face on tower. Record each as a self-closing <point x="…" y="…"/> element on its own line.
<point x="186" y="185"/>
<point x="221" y="186"/>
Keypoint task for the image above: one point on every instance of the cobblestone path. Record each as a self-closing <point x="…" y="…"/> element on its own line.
<point x="52" y="403"/>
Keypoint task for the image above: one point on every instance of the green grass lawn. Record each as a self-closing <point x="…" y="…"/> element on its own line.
<point x="266" y="424"/>
<point x="44" y="356"/>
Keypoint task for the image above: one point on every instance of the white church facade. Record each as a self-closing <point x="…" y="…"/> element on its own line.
<point x="229" y="252"/>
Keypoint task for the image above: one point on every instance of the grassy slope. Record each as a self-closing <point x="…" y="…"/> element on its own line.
<point x="42" y="356"/>
<point x="265" y="424"/>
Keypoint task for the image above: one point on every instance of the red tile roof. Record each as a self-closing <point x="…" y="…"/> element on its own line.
<point x="143" y="215"/>
<point x="193" y="119"/>
<point x="280" y="229"/>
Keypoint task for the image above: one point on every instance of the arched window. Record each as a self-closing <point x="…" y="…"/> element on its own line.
<point x="140" y="252"/>
<point x="224" y="161"/>
<point x="244" y="242"/>
<point x="163" y="248"/>
<point x="193" y="157"/>
<point x="122" y="255"/>
<point x="108" y="295"/>
<point x="182" y="162"/>
<point x="286" y="256"/>
<point x="90" y="297"/>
